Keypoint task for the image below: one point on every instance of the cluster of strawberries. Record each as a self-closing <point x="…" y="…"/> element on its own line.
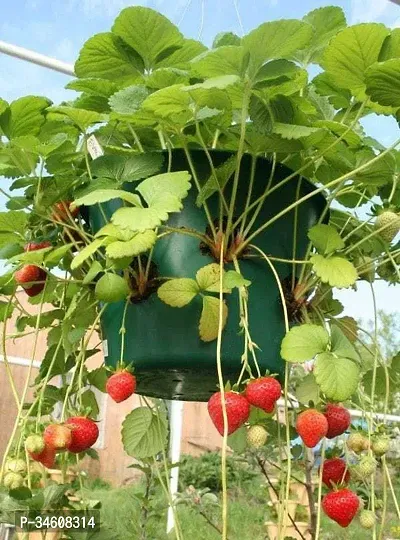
<point x="76" y="434"/>
<point x="32" y="277"/>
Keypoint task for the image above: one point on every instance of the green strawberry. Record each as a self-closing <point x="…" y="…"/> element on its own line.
<point x="256" y="436"/>
<point x="388" y="225"/>
<point x="357" y="442"/>
<point x="13" y="480"/>
<point x="34" y="444"/>
<point x="16" y="466"/>
<point x="365" y="468"/>
<point x="380" y="446"/>
<point x="367" y="519"/>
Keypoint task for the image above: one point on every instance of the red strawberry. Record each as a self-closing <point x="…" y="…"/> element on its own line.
<point x="57" y="436"/>
<point x="27" y="277"/>
<point x="341" y="506"/>
<point x="61" y="210"/>
<point x="312" y="426"/>
<point x="335" y="472"/>
<point x="46" y="457"/>
<point x="237" y="411"/>
<point x="34" y="246"/>
<point x="338" y="420"/>
<point x="121" y="385"/>
<point x="84" y="433"/>
<point x="263" y="393"/>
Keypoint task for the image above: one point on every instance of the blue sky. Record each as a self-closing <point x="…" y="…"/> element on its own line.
<point x="59" y="29"/>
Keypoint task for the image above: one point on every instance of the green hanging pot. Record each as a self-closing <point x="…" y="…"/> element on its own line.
<point x="162" y="342"/>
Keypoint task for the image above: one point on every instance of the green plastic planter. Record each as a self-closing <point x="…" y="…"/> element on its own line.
<point x="162" y="342"/>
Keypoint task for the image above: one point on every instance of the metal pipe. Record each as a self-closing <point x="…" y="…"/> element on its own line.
<point x="37" y="58"/>
<point x="176" y="418"/>
<point x="16" y="361"/>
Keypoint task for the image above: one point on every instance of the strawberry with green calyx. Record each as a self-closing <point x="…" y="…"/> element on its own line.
<point x="46" y="457"/>
<point x="388" y="224"/>
<point x="237" y="411"/>
<point x="256" y="436"/>
<point x="312" y="426"/>
<point x="341" y="506"/>
<point x="121" y="384"/>
<point x="34" y="444"/>
<point x="16" y="465"/>
<point x="263" y="393"/>
<point x="31" y="278"/>
<point x="13" y="480"/>
<point x="367" y="519"/>
<point x="84" y="433"/>
<point x="365" y="468"/>
<point x="35" y="246"/>
<point x="335" y="472"/>
<point x="357" y="442"/>
<point x="380" y="445"/>
<point x="57" y="436"/>
<point x="338" y="418"/>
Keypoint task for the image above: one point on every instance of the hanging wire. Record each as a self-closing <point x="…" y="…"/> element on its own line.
<point x="185" y="9"/>
<point x="235" y="3"/>
<point x="201" y="20"/>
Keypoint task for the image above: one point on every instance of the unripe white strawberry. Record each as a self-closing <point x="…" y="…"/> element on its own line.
<point x="388" y="224"/>
<point x="367" y="519"/>
<point x="13" y="480"/>
<point x="256" y="436"/>
<point x="365" y="468"/>
<point x="16" y="465"/>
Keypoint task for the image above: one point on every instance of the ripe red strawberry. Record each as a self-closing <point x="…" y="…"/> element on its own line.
<point x="263" y="393"/>
<point x="84" y="433"/>
<point x="312" y="426"/>
<point x="237" y="411"/>
<point x="34" y="246"/>
<point x="341" y="506"/>
<point x="339" y="420"/>
<point x="335" y="472"/>
<point x="46" y="457"/>
<point x="61" y="210"/>
<point x="27" y="277"/>
<point x="121" y="385"/>
<point x="57" y="436"/>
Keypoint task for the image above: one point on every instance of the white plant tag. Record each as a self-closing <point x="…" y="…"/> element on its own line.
<point x="105" y="347"/>
<point x="94" y="148"/>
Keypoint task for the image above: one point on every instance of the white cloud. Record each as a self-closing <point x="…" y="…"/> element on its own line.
<point x="373" y="11"/>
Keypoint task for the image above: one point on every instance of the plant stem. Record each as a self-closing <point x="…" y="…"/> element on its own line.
<point x="309" y="464"/>
<point x="135" y="138"/>
<point x="5" y="358"/>
<point x="318" y="526"/>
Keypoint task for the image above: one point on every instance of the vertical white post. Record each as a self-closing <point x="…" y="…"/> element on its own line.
<point x="176" y="417"/>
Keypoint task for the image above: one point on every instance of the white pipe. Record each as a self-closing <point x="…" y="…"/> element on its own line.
<point x="16" y="361"/>
<point x="176" y="417"/>
<point x="37" y="58"/>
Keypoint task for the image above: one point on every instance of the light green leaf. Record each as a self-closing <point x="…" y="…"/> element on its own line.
<point x="148" y="32"/>
<point x="210" y="318"/>
<point x="233" y="279"/>
<point x="93" y="87"/>
<point x="13" y="222"/>
<point x="221" y="82"/>
<point x="308" y="390"/>
<point x="144" y="433"/>
<point x="160" y="78"/>
<point x="304" y="342"/>
<point x="106" y="56"/>
<point x="218" y="62"/>
<point x="111" y="288"/>
<point x="341" y="346"/>
<point x="87" y="252"/>
<point x="127" y="168"/>
<point x="181" y="57"/>
<point x="226" y="38"/>
<point x="56" y="255"/>
<point x="115" y="232"/>
<point x="128" y="100"/>
<point x="138" y="219"/>
<point x="80" y="117"/>
<point x="351" y="52"/>
<point x="167" y="102"/>
<point x="155" y="188"/>
<point x="383" y="82"/>
<point x="25" y="116"/>
<point x="338" y="378"/>
<point x="93" y="271"/>
<point x="379" y="173"/>
<point x="209" y="276"/>
<point x="325" y="238"/>
<point x="104" y="195"/>
<point x="290" y="131"/>
<point x="276" y="39"/>
<point x="336" y="271"/>
<point x="140" y="243"/>
<point x="391" y="46"/>
<point x="178" y="292"/>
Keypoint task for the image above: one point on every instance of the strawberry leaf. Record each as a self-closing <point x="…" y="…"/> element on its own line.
<point x="336" y="271"/>
<point x="304" y="342"/>
<point x="178" y="292"/>
<point x="144" y="433"/>
<point x="337" y="377"/>
<point x="209" y="320"/>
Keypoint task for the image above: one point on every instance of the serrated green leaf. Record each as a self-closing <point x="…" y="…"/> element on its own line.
<point x="93" y="271"/>
<point x="210" y="318"/>
<point x="336" y="271"/>
<point x="13" y="222"/>
<point x="95" y="87"/>
<point x="209" y="276"/>
<point x="169" y="102"/>
<point x="128" y="100"/>
<point x="233" y="279"/>
<point x="351" y="52"/>
<point x="222" y="82"/>
<point x="127" y="168"/>
<point x="218" y="181"/>
<point x="181" y="57"/>
<point x="226" y="38"/>
<point x="98" y="378"/>
<point x="308" y="390"/>
<point x="25" y="116"/>
<point x="391" y="46"/>
<point x="341" y="346"/>
<point x="106" y="56"/>
<point x="154" y="188"/>
<point x="138" y="219"/>
<point x="304" y="342"/>
<point x="144" y="434"/>
<point x="337" y="377"/>
<point x="140" y="243"/>
<point x="178" y="292"/>
<point x="89" y="402"/>
<point x="104" y="195"/>
<point x="56" y="255"/>
<point x="115" y="232"/>
<point x="147" y="32"/>
<point x="325" y="238"/>
<point x="87" y="252"/>
<point x="225" y="60"/>
<point x="383" y="82"/>
<point x="80" y="117"/>
<point x="275" y="39"/>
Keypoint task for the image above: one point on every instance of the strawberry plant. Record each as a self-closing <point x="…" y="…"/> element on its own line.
<point x="196" y="208"/>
